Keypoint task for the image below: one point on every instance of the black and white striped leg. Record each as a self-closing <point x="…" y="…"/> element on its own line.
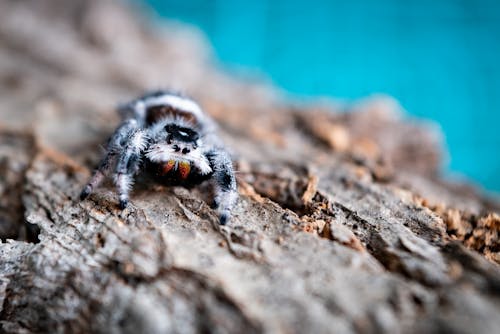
<point x="127" y="165"/>
<point x="224" y="180"/>
<point x="113" y="149"/>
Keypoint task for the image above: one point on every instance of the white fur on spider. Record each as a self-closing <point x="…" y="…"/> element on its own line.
<point x="138" y="141"/>
<point x="177" y="102"/>
<point x="226" y="200"/>
<point x="163" y="153"/>
<point x="140" y="109"/>
<point x="124" y="184"/>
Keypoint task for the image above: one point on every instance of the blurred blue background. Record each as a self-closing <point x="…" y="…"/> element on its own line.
<point x="440" y="59"/>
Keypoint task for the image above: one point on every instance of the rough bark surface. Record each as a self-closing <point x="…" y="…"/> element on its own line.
<point x="343" y="224"/>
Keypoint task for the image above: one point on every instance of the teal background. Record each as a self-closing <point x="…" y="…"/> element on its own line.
<point x="440" y="59"/>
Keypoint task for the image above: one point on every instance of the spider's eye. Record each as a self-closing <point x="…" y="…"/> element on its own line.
<point x="176" y="148"/>
<point x="186" y="150"/>
<point x="170" y="128"/>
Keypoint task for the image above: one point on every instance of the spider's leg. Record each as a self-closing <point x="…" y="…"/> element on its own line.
<point x="99" y="174"/>
<point x="113" y="149"/>
<point x="224" y="183"/>
<point x="128" y="165"/>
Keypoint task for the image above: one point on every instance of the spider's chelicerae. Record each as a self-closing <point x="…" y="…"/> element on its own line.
<point x="172" y="139"/>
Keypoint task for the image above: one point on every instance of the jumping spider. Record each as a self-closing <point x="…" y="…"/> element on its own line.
<point x="170" y="138"/>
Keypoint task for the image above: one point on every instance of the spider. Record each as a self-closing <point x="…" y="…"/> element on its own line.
<point x="169" y="137"/>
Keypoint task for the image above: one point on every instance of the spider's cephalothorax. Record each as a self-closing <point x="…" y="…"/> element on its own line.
<point x="170" y="137"/>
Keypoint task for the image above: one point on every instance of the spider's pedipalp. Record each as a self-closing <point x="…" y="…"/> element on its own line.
<point x="164" y="153"/>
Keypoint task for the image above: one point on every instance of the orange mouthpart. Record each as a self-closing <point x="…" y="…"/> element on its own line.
<point x="168" y="166"/>
<point x="184" y="169"/>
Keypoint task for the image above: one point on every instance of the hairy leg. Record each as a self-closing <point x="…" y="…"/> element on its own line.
<point x="128" y="165"/>
<point x="99" y="174"/>
<point x="114" y="149"/>
<point x="224" y="183"/>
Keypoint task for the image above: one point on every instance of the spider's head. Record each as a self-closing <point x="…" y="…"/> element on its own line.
<point x="180" y="145"/>
<point x="181" y="140"/>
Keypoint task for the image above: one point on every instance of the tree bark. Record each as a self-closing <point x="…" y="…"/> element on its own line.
<point x="343" y="223"/>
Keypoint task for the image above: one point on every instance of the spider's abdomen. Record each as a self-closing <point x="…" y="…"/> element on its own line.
<point x="157" y="106"/>
<point x="157" y="113"/>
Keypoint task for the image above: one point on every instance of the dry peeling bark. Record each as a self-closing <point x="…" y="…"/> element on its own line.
<point x="343" y="224"/>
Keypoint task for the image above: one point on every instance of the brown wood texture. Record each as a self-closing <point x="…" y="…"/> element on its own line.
<point x="343" y="224"/>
